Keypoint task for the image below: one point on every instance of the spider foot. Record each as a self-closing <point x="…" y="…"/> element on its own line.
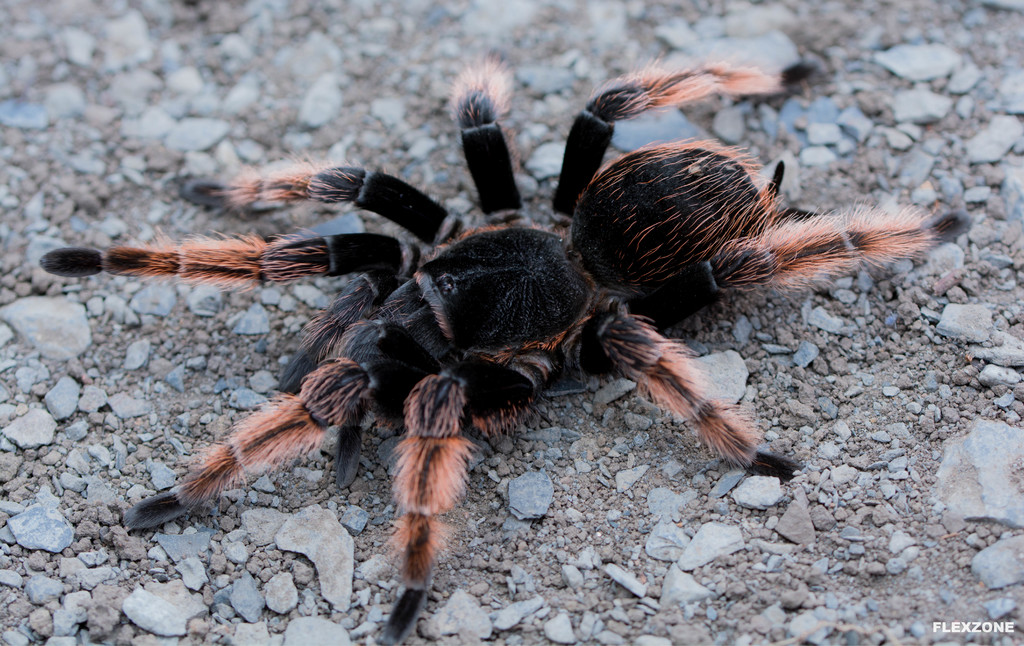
<point x="769" y="464"/>
<point x="403" y="616"/>
<point x="73" y="262"/>
<point x="155" y="511"/>
<point x="204" y="192"/>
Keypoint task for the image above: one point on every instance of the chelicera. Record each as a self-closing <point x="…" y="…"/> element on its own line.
<point x="473" y="335"/>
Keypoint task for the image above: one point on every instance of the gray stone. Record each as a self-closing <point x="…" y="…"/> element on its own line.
<point x="993" y="375"/>
<point x="726" y="376"/>
<point x="125" y="406"/>
<point x="491" y="19"/>
<point x="665" y="503"/>
<point x="205" y="300"/>
<point x="821" y="319"/>
<point x="33" y="429"/>
<point x="304" y="631"/>
<point x="758" y="492"/>
<point x="41" y="528"/>
<point x="196" y="134"/>
<point x="805" y="353"/>
<point x="572" y="577"/>
<point x="317" y="533"/>
<point x="920" y="106"/>
<point x="530" y="495"/>
<point x="916" y="168"/>
<point x="322" y="102"/>
<point x="977" y="477"/>
<point x="711" y="541"/>
<point x="1006" y="350"/>
<point x="965" y="322"/>
<point x="652" y="127"/>
<point x="680" y="588"/>
<point x="666" y="541"/>
<point x="151" y="613"/>
<point x="746" y="20"/>
<point x="1012" y="191"/>
<point x="999" y="608"/>
<point x="162" y="476"/>
<point x="246" y="599"/>
<point x="819" y="134"/>
<point x="545" y="79"/>
<point x="62" y="399"/>
<point x="245" y="399"/>
<point x="126" y="41"/>
<point x="613" y="390"/>
<point x="995" y="140"/>
<point x="463" y="616"/>
<point x="137" y="354"/>
<point x="676" y="33"/>
<point x="56" y="327"/>
<point x="92" y="399"/>
<point x="817" y="156"/>
<point x="41" y="589"/>
<point x="509" y="616"/>
<point x="261" y="524"/>
<point x="729" y="125"/>
<point x="964" y="79"/>
<point x="808" y="626"/>
<point x="919" y="62"/>
<point x="255" y="320"/>
<point x="796" y="525"/>
<point x="546" y="160"/>
<point x="729" y="480"/>
<point x="156" y="299"/>
<point x="193" y="573"/>
<point x="855" y="123"/>
<point x="626" y="579"/>
<point x="1001" y="564"/>
<point x="26" y="116"/>
<point x="182" y="546"/>
<point x="626" y="478"/>
<point x="10" y="578"/>
<point x="281" y="594"/>
<point x="772" y="50"/>
<point x="354" y="519"/>
<point x="559" y="629"/>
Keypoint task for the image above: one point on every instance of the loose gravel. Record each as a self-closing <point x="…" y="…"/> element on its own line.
<point x="601" y="520"/>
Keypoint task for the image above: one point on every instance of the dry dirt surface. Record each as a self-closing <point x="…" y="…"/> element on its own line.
<point x="897" y="389"/>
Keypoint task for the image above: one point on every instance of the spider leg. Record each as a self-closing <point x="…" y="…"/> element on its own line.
<point x="235" y="262"/>
<point x="432" y="466"/>
<point x="685" y="293"/>
<point x="374" y="191"/>
<point x="287" y="427"/>
<point x="479" y="98"/>
<point x="649" y="89"/>
<point x="323" y="333"/>
<point x="797" y="254"/>
<point x="666" y="371"/>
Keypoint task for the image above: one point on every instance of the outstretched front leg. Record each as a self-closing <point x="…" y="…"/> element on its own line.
<point x="667" y="372"/>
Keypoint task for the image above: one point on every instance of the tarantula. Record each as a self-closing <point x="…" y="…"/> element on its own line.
<point x="472" y="336"/>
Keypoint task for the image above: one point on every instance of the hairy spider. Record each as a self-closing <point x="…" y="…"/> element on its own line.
<point x="473" y="335"/>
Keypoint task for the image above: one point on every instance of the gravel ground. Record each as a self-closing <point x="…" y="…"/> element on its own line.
<point x="898" y="390"/>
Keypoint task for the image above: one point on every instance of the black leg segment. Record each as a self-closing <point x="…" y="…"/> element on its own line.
<point x="584" y="150"/>
<point x="489" y="163"/>
<point x="682" y="295"/>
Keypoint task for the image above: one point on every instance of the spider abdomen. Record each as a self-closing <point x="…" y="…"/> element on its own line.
<point x="663" y="207"/>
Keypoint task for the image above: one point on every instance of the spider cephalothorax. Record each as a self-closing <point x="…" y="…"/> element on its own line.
<point x="472" y="336"/>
